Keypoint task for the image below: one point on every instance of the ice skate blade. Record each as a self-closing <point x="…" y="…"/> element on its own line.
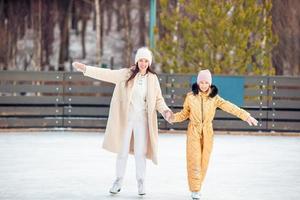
<point x="113" y="193"/>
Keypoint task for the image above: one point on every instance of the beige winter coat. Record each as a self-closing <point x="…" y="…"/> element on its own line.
<point x="119" y="107"/>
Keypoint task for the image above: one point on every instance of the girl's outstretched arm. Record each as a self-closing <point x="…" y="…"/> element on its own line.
<point x="235" y="110"/>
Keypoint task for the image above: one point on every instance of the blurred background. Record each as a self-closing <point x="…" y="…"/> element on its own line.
<point x="252" y="48"/>
<point x="243" y="37"/>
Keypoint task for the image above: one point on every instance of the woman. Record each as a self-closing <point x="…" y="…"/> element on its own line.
<point x="136" y="97"/>
<point x="200" y="106"/>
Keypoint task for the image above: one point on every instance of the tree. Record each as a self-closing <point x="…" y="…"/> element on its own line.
<point x="37" y="27"/>
<point x="230" y="37"/>
<point x="142" y="23"/>
<point x="127" y="33"/>
<point x="47" y="36"/>
<point x="286" y="23"/>
<point x="65" y="8"/>
<point x="98" y="31"/>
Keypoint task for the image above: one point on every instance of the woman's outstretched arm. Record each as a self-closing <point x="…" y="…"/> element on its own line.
<point x="107" y="75"/>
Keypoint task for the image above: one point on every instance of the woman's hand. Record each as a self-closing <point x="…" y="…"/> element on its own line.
<point x="79" y="66"/>
<point x="168" y="115"/>
<point x="252" y="121"/>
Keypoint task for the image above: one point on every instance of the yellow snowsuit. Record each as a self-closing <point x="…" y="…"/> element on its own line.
<point x="200" y="109"/>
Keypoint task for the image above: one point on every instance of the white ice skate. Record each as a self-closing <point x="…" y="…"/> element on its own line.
<point x="196" y="195"/>
<point x="141" y="187"/>
<point x="116" y="188"/>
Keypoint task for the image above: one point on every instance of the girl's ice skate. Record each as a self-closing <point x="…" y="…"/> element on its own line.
<point x="196" y="195"/>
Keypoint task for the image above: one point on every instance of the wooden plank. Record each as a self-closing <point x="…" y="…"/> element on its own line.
<point x="30" y="122"/>
<point x="89" y="83"/>
<point x="255" y="103"/>
<point x="163" y="83"/>
<point x="8" y="88"/>
<point x="164" y="90"/>
<point x="284" y="126"/>
<point x="286" y="93"/>
<point x="279" y="114"/>
<point x="285" y="81"/>
<point x="162" y="78"/>
<point x="174" y="102"/>
<point x="162" y="124"/>
<point x="180" y="79"/>
<point x="255" y="113"/>
<point x="85" y="122"/>
<point x="237" y="125"/>
<point x="70" y="89"/>
<point x="284" y="104"/>
<point x="78" y="100"/>
<point x="30" y="111"/>
<point x="165" y="96"/>
<point x="178" y="91"/>
<point x="30" y="76"/>
<point x="38" y="100"/>
<point x="256" y="92"/>
<point x="86" y="111"/>
<point x="256" y="80"/>
<point x="78" y="77"/>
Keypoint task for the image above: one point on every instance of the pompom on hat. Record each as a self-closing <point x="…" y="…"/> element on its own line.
<point x="204" y="75"/>
<point x="145" y="53"/>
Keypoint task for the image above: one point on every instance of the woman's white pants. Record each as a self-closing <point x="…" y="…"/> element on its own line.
<point x="138" y="125"/>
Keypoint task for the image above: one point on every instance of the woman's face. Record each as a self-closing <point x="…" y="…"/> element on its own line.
<point x="143" y="64"/>
<point x="204" y="86"/>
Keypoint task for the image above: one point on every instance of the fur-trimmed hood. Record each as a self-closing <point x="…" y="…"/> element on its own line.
<point x="213" y="90"/>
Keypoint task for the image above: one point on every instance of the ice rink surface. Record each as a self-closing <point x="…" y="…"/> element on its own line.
<point x="73" y="166"/>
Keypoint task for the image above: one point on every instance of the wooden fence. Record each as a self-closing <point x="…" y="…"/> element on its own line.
<point x="70" y="100"/>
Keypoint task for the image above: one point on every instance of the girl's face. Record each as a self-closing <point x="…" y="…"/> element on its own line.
<point x="143" y="64"/>
<point x="204" y="86"/>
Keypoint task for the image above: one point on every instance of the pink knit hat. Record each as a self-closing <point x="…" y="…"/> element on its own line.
<point x="204" y="75"/>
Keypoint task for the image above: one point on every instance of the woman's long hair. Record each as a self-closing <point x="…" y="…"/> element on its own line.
<point x="213" y="92"/>
<point x="136" y="70"/>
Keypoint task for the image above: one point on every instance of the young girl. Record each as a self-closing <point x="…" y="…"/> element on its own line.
<point x="200" y="106"/>
<point x="132" y="122"/>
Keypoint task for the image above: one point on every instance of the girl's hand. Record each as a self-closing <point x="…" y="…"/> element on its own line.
<point x="79" y="66"/>
<point x="252" y="121"/>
